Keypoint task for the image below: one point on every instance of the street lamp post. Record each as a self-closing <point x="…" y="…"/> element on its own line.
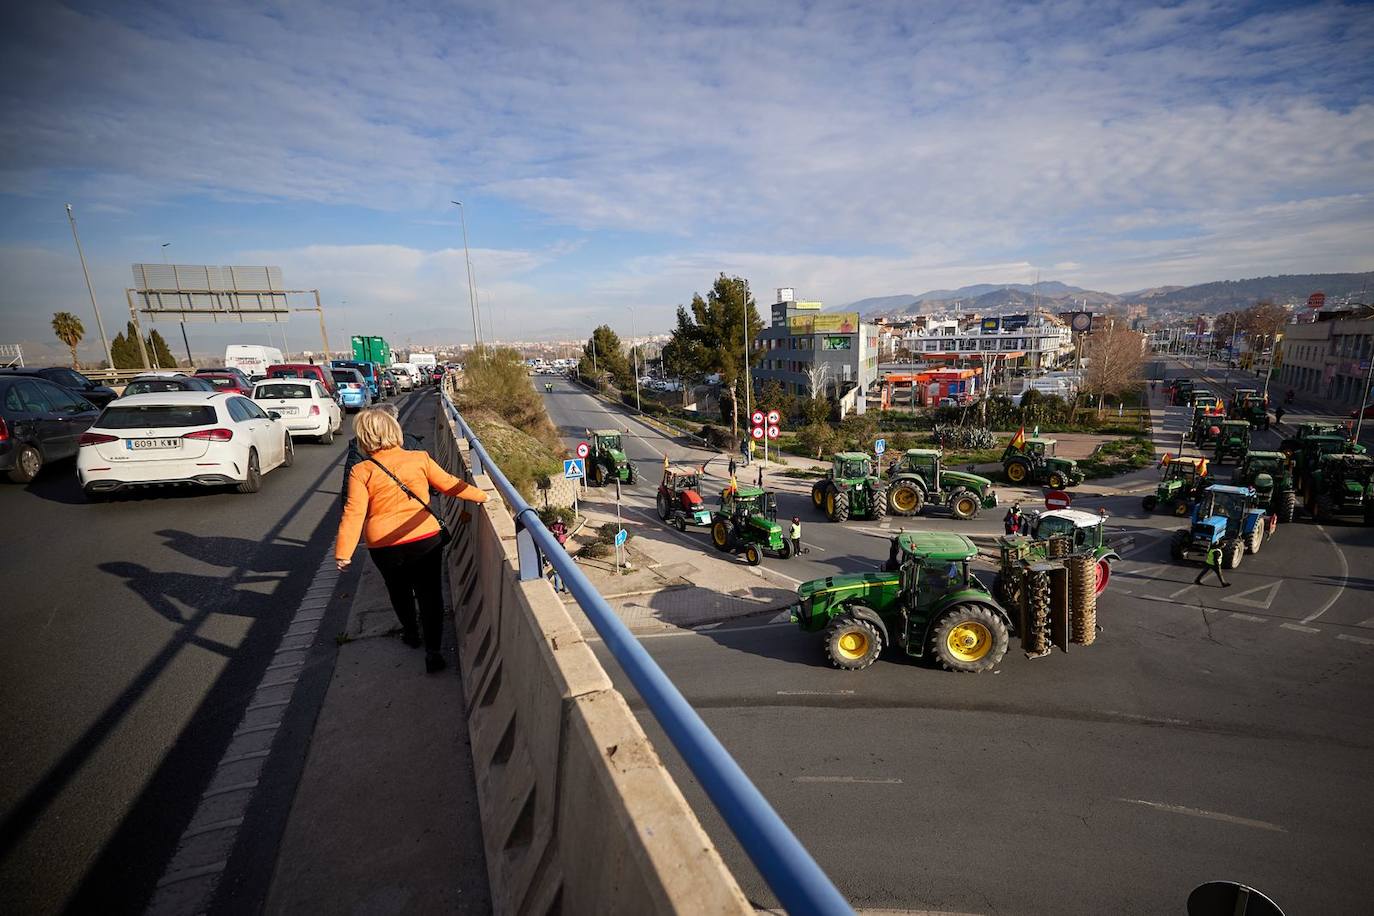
<point x="104" y="341"/>
<point x="634" y="356"/>
<point x="472" y="290"/>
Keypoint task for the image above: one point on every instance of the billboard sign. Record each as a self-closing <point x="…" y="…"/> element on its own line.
<point x="198" y="291"/>
<point x="991" y="325"/>
<point x="1014" y="322"/>
<point x="824" y="323"/>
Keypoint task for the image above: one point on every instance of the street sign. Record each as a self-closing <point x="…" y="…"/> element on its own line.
<point x="773" y="417"/>
<point x="621" y="536"/>
<point x="574" y="469"/>
<point x="773" y="432"/>
<point x="583" y="450"/>
<point x="879" y="446"/>
<point x="1316" y="300"/>
<point x="757" y="417"/>
<point x="756" y="432"/>
<point x="1057" y="499"/>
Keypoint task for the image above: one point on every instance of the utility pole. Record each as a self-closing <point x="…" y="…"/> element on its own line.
<point x="472" y="290"/>
<point x="635" y="358"/>
<point x="748" y="382"/>
<point x="104" y="341"/>
<point x="1368" y="379"/>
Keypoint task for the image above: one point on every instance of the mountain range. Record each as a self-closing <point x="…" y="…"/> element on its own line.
<point x="1218" y="296"/>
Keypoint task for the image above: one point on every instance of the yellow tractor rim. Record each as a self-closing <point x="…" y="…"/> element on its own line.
<point x="830" y="503"/>
<point x="966" y="506"/>
<point x="1016" y="472"/>
<point x="816" y="497"/>
<point x="719" y="534"/>
<point x="853" y="645"/>
<point x="904" y="498"/>
<point x="969" y="641"/>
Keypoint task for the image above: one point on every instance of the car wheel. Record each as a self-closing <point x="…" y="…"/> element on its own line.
<point x="253" y="482"/>
<point x="27" y="464"/>
<point x="289" y="455"/>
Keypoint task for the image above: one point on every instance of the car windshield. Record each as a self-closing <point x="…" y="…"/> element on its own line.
<point x="344" y="377"/>
<point x="156" y="386"/>
<point x="156" y="416"/>
<point x="282" y="391"/>
<point x="1231" y="505"/>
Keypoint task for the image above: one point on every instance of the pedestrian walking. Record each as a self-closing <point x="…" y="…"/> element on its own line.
<point x="1278" y="415"/>
<point x="760" y="477"/>
<point x="1212" y="562"/>
<point x="385" y="507"/>
<point x="733" y="466"/>
<point x="795" y="534"/>
<point x="1013" y="521"/>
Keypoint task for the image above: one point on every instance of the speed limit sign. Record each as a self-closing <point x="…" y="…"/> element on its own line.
<point x="773" y="418"/>
<point x="582" y="450"/>
<point x="756" y="432"/>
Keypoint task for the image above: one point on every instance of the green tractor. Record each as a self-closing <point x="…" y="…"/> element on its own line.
<point x="747" y="522"/>
<point x="1236" y="409"/>
<point x="1181" y="483"/>
<point x="1270" y="475"/>
<point x="1055" y="535"/>
<point x="1182" y="392"/>
<point x="1034" y="462"/>
<point x="1253" y="408"/>
<point x="1307" y="459"/>
<point x="917" y="480"/>
<point x="1292" y="445"/>
<point x="607" y="461"/>
<point x="926" y="601"/>
<point x="1233" y="442"/>
<point x="851" y="489"/>
<point x="1342" y="484"/>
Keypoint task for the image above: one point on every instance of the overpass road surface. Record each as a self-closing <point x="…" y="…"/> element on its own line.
<point x="1207" y="733"/>
<point x="136" y="632"/>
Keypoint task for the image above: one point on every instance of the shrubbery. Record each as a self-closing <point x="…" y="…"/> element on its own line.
<point x="963" y="438"/>
<point x="507" y="414"/>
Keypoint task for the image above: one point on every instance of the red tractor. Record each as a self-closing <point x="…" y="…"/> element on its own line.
<point x="679" y="502"/>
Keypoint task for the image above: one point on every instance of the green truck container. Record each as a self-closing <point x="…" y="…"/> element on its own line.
<point x="371" y="349"/>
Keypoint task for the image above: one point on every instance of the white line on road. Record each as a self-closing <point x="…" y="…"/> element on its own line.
<point x="1248" y="618"/>
<point x="815" y="693"/>
<point x="1345" y="578"/>
<point x="866" y="780"/>
<point x="1367" y="623"/>
<point x="1359" y="639"/>
<point x="1210" y="815"/>
<point x="1299" y="628"/>
<point x="1187" y="588"/>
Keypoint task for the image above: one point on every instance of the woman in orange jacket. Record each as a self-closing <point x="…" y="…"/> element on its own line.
<point x="402" y="534"/>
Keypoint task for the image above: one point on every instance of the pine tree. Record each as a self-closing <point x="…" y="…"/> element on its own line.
<point x="159" y="353"/>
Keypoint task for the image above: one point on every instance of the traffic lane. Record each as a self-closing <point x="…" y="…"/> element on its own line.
<point x="135" y="645"/>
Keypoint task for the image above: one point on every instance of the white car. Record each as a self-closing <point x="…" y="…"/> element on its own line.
<point x="404" y="380"/>
<point x="305" y="407"/>
<point x="181" y="437"/>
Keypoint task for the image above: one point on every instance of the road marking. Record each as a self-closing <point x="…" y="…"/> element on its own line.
<point x="815" y="693"/>
<point x="1249" y="618"/>
<point x="1187" y="588"/>
<point x="1210" y="815"/>
<point x="1345" y="578"/>
<point x="1367" y="623"/>
<point x="1263" y="604"/>
<point x="1359" y="639"/>
<point x="865" y="780"/>
<point x="1299" y="628"/>
<point x="1152" y="720"/>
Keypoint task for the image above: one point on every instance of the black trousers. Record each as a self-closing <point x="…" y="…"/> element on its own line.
<point x="1205" y="570"/>
<point x="413" y="572"/>
<point x="796" y="545"/>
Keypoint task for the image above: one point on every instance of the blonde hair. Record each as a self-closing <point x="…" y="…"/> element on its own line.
<point x="377" y="429"/>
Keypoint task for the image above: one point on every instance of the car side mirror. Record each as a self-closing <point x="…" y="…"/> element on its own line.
<point x="274" y="415"/>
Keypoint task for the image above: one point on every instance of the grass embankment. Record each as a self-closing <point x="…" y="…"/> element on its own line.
<point x="500" y="404"/>
<point x="1118" y="457"/>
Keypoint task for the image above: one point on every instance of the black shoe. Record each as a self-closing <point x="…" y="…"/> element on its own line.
<point x="1226" y="585"/>
<point x="434" y="662"/>
<point x="411" y="638"/>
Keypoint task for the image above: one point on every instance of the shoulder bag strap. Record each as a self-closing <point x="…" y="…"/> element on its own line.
<point x="406" y="490"/>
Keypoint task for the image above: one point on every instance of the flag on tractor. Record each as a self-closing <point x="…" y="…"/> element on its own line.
<point x="734" y="486"/>
<point x="1019" y="440"/>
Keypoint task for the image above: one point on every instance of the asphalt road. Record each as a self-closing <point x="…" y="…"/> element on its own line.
<point x="1207" y="733"/>
<point x="135" y="632"/>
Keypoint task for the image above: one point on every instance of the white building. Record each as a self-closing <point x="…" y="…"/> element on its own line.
<point x="1038" y="341"/>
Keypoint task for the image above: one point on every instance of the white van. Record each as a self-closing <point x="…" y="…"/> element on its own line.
<point x="250" y="359"/>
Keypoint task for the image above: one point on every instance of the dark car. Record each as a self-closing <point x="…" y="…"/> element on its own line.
<point x="389" y="383"/>
<point x="97" y="394"/>
<point x="40" y="422"/>
<point x="244" y="382"/>
<point x="156" y="384"/>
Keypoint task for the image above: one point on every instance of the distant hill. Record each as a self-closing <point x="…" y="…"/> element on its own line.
<point x="981" y="297"/>
<point x="1225" y="295"/>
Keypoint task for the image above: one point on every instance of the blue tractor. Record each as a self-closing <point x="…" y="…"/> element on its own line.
<point x="1229" y="518"/>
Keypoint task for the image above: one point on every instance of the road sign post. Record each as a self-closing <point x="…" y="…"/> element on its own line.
<point x="574" y="469"/>
<point x="879" y="446"/>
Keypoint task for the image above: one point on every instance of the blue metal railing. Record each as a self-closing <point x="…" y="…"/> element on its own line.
<point x="799" y="883"/>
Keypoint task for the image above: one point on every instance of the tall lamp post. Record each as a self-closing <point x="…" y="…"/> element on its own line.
<point x="472" y="290"/>
<point x="104" y="341"/>
<point x="635" y="359"/>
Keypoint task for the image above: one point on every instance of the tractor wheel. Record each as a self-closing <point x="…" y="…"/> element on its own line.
<point x="1288" y="504"/>
<point x="837" y="506"/>
<point x="599" y="475"/>
<point x="1325" y="507"/>
<point x="1104" y="574"/>
<point x="633" y="477"/>
<point x="906" y="498"/>
<point x="1178" y="545"/>
<point x="970" y="638"/>
<point x="680" y="523"/>
<point x="1179" y="507"/>
<point x="1017" y="471"/>
<point x="662" y="503"/>
<point x="720" y="534"/>
<point x="852" y="644"/>
<point x="1149" y="503"/>
<point x="1231" y="553"/>
<point x="1057" y="481"/>
<point x="1083" y="591"/>
<point x="963" y="504"/>
<point x="877" y="503"/>
<point x="785" y="552"/>
<point x="752" y="555"/>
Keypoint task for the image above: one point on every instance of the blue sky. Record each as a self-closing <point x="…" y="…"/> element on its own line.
<point x="617" y="156"/>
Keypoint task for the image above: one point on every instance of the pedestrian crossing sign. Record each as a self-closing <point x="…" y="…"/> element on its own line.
<point x="574" y="469"/>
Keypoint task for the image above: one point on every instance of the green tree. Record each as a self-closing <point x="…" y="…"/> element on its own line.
<point x="159" y="353"/>
<point x="714" y="332"/>
<point x="69" y="330"/>
<point x="817" y="438"/>
<point x="603" y="356"/>
<point x="773" y="396"/>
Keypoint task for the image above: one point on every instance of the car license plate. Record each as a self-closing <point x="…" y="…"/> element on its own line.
<point x="288" y="411"/>
<point x="141" y="444"/>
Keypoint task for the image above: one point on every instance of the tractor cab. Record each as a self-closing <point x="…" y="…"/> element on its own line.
<point x="1208" y="404"/>
<point x="1084" y="530"/>
<point x="1233" y="441"/>
<point x="850" y="489"/>
<point x="607" y="460"/>
<point x="1239" y="399"/>
<point x="679" y="498"/>
<point x="742" y="502"/>
<point x="923" y="462"/>
<point x="1343" y="484"/>
<point x="1181" y="479"/>
<point x="607" y="441"/>
<point x="851" y="467"/>
<point x="1183" y="391"/>
<point x="1222" y="510"/>
<point x="931" y="565"/>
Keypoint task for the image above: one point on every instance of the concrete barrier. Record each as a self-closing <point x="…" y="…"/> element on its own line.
<point x="579" y="815"/>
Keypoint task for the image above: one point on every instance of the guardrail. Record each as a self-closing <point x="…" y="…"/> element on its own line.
<point x="789" y="870"/>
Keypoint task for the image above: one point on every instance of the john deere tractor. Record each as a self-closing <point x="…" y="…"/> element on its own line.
<point x="607" y="461"/>
<point x="1227" y="518"/>
<point x="1182" y="391"/>
<point x="917" y="480"/>
<point x="1292" y="445"/>
<point x="1342" y="484"/>
<point x="1181" y="481"/>
<point x="747" y="522"/>
<point x="1236" y="410"/>
<point x="1056" y="535"/>
<point x="1252" y="407"/>
<point x="851" y="489"/>
<point x="1308" y="456"/>
<point x="1233" y="442"/>
<point x="1034" y="462"/>
<point x="926" y="601"/>
<point x="1270" y="475"/>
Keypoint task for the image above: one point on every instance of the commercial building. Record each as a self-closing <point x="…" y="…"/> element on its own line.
<point x="1329" y="358"/>
<point x="1034" y="341"/>
<point x="811" y="351"/>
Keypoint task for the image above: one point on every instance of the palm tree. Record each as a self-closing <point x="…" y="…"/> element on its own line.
<point x="69" y="330"/>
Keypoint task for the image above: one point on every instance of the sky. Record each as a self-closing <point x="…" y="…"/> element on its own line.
<point x="612" y="158"/>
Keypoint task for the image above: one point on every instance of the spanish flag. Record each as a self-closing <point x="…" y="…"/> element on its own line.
<point x="1019" y="440"/>
<point x="734" y="487"/>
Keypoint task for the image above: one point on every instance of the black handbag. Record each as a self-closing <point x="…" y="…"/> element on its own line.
<point x="445" y="536"/>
